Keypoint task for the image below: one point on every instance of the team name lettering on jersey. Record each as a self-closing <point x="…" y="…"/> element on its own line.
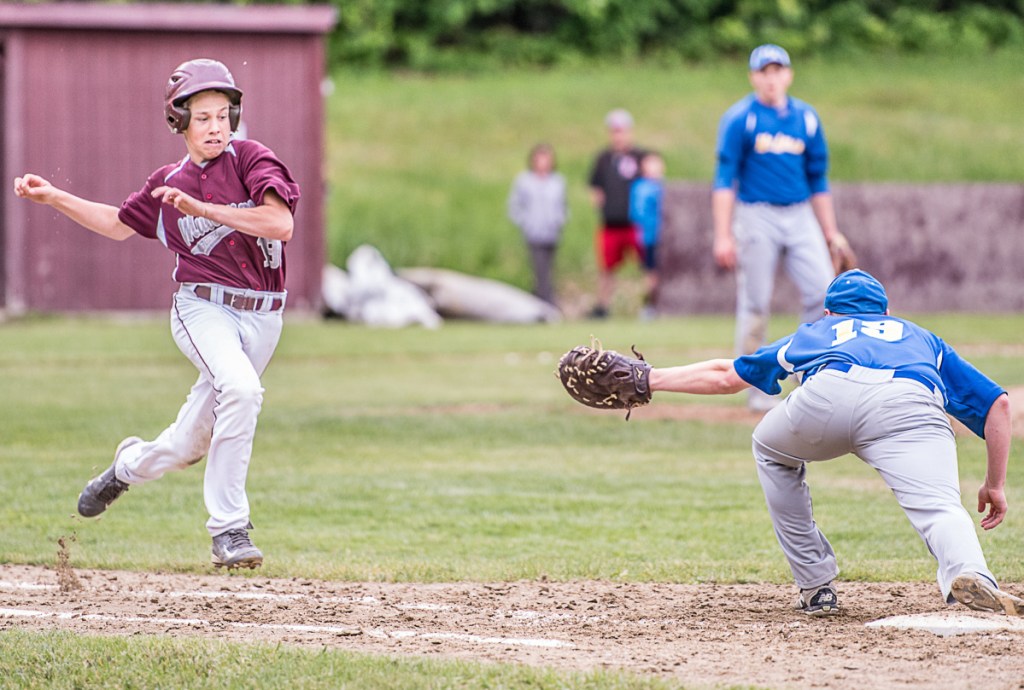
<point x="778" y="143"/>
<point x="203" y="234"/>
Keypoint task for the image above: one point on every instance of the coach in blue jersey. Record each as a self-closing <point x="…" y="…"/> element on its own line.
<point x="879" y="387"/>
<point x="771" y="200"/>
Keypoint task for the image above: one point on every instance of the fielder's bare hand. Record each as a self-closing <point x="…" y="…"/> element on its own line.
<point x="995" y="501"/>
<point x="188" y="205"/>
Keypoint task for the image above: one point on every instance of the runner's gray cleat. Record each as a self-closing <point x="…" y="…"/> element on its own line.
<point x="976" y="592"/>
<point x="99" y="493"/>
<point x="234" y="549"/>
<point x="818" y="601"/>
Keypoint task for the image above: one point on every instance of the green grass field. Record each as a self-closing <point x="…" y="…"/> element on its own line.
<point x="417" y="455"/>
<point x="60" y="660"/>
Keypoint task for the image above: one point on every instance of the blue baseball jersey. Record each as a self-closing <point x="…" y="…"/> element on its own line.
<point x="645" y="208"/>
<point x="769" y="155"/>
<point x="876" y="341"/>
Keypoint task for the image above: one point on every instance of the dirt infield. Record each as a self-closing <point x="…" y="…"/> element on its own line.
<point x="701" y="635"/>
<point x="708" y="635"/>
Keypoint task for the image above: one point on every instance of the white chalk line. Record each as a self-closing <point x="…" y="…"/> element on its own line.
<point x="328" y="629"/>
<point x="65" y="615"/>
<point x="521" y="615"/>
<point x="4" y="584"/>
<point x="518" y="615"/>
<point x="941" y="624"/>
<point x="227" y="594"/>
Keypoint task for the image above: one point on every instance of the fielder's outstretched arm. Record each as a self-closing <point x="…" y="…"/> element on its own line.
<point x="998" y="426"/>
<point x="710" y="377"/>
<point x="91" y="215"/>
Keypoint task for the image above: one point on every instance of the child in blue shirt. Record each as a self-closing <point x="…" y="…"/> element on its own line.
<point x="645" y="210"/>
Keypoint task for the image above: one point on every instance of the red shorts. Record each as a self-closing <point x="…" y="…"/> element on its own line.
<point x="614" y="242"/>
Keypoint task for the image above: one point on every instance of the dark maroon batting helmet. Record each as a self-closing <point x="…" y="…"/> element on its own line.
<point x="191" y="77"/>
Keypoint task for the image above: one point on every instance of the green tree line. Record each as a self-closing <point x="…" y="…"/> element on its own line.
<point x="477" y="34"/>
<point x="474" y="34"/>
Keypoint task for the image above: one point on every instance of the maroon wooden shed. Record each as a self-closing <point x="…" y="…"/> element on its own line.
<point x="81" y="89"/>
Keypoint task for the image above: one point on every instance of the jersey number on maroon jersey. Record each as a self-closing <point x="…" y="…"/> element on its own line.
<point x="272" y="250"/>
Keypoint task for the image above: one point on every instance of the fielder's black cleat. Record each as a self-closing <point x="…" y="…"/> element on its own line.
<point x="234" y="549"/>
<point x="819" y="601"/>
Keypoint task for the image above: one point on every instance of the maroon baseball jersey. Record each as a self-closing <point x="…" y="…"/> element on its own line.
<point x="208" y="252"/>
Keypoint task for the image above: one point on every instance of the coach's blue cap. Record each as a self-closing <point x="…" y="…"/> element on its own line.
<point x="768" y="54"/>
<point x="856" y="292"/>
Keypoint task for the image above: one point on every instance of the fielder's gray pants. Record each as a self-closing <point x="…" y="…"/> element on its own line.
<point x="895" y="425"/>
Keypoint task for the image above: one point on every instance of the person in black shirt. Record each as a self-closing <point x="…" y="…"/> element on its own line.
<point x="612" y="175"/>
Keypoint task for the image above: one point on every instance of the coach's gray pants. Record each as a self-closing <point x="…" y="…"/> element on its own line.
<point x="895" y="425"/>
<point x="766" y="234"/>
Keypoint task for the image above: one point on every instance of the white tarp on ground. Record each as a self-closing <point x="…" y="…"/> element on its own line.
<point x="370" y="293"/>
<point x="463" y="296"/>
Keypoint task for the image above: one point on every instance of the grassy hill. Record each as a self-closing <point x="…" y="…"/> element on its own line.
<point x="420" y="165"/>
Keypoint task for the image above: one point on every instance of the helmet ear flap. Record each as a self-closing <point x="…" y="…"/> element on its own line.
<point x="178" y="118"/>
<point x="234" y="115"/>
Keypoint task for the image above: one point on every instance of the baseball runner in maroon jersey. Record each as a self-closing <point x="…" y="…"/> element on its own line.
<point x="226" y="211"/>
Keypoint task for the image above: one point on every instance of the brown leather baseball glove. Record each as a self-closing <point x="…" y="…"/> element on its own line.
<point x="605" y="379"/>
<point x="843" y="256"/>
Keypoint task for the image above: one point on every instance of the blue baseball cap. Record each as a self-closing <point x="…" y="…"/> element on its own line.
<point x="768" y="54"/>
<point x="856" y="292"/>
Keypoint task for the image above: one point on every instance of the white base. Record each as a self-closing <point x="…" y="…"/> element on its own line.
<point x="947" y="624"/>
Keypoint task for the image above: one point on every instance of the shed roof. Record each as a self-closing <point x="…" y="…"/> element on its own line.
<point x="168" y="17"/>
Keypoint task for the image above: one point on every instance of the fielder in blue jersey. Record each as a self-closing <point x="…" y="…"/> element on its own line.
<point x="879" y="387"/>
<point x="771" y="201"/>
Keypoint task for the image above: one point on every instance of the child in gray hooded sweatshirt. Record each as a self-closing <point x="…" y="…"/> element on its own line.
<point x="537" y="205"/>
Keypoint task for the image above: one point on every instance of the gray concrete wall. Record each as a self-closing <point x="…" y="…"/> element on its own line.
<point x="943" y="247"/>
